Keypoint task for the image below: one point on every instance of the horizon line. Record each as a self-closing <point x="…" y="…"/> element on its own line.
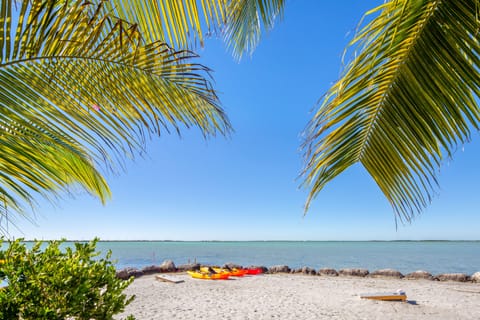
<point x="168" y="240"/>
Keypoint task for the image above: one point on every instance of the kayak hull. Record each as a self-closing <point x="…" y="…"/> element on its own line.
<point x="232" y="272"/>
<point x="208" y="276"/>
<point x="254" y="271"/>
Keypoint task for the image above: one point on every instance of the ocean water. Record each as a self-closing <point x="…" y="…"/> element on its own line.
<point x="406" y="256"/>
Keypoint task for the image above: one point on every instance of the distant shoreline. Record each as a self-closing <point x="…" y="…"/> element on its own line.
<point x="229" y="241"/>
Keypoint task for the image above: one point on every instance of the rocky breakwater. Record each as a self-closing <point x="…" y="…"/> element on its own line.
<point x="279" y="269"/>
<point x="386" y="273"/>
<point x="475" y="277"/>
<point x="166" y="266"/>
<point x="419" y="274"/>
<point x="458" y="277"/>
<point x="305" y="270"/>
<point x="169" y="266"/>
<point x="353" y="272"/>
<point x="327" y="272"/>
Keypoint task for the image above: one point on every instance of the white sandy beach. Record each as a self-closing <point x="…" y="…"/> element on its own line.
<point x="295" y="296"/>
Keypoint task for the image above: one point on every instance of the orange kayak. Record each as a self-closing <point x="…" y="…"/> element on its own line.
<point x="208" y="276"/>
<point x="238" y="272"/>
<point x="230" y="272"/>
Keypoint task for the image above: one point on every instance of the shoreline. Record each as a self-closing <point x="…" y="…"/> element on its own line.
<point x="168" y="266"/>
<point x="299" y="296"/>
<point x="227" y="241"/>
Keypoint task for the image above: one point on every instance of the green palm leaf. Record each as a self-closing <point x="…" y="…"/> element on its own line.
<point x="183" y="23"/>
<point x="244" y="23"/>
<point x="79" y="90"/>
<point x="406" y="100"/>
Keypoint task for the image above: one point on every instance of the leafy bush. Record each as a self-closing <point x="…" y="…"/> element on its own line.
<point x="48" y="282"/>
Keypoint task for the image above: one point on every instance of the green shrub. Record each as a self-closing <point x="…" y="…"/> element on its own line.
<point x="48" y="282"/>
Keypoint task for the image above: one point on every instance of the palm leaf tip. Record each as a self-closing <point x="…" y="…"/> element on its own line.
<point x="246" y="20"/>
<point x="405" y="100"/>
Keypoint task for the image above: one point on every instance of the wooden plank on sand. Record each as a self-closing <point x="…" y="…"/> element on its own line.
<point x="385" y="296"/>
<point x="168" y="278"/>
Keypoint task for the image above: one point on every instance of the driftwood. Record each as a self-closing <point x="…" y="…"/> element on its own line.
<point x="168" y="278"/>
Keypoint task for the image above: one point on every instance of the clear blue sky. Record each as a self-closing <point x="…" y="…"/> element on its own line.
<point x="245" y="187"/>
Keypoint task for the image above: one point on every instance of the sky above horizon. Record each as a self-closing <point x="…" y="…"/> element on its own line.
<point x="246" y="186"/>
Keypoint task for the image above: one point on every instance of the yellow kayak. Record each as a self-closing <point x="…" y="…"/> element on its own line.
<point x="208" y="276"/>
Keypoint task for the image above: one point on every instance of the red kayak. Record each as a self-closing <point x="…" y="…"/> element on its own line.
<point x="254" y="271"/>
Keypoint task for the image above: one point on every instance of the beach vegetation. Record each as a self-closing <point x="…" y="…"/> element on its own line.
<point x="54" y="281"/>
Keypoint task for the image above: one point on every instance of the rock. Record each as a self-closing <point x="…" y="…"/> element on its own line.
<point x="475" y="277"/>
<point x="231" y="265"/>
<point x="151" y="270"/>
<point x="168" y="266"/>
<point x="278" y="269"/>
<point x="386" y="273"/>
<point x="188" y="266"/>
<point x="460" y="277"/>
<point x="308" y="270"/>
<point x="353" y="272"/>
<point x="304" y="270"/>
<point x="122" y="274"/>
<point x="127" y="273"/>
<point x="264" y="269"/>
<point x="328" y="272"/>
<point x="419" y="274"/>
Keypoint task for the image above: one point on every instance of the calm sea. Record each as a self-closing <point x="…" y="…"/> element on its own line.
<point x="405" y="256"/>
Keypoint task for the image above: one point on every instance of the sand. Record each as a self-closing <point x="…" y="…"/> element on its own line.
<point x="295" y="296"/>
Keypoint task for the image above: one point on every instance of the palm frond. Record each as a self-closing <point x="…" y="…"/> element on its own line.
<point x="183" y="23"/>
<point x="405" y="100"/>
<point x="80" y="90"/>
<point x="244" y="23"/>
